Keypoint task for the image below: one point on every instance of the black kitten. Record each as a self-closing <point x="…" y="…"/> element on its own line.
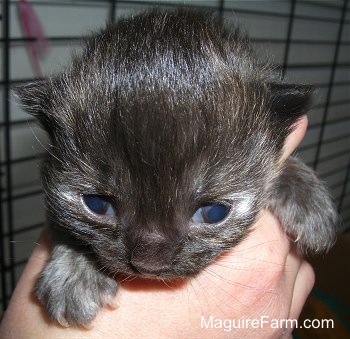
<point x="166" y="142"/>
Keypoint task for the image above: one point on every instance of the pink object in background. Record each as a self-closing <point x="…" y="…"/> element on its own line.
<point x="33" y="31"/>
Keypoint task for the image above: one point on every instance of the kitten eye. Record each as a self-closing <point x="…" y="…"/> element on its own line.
<point x="99" y="204"/>
<point x="211" y="213"/>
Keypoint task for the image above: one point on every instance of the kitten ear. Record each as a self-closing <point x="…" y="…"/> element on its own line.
<point x="36" y="99"/>
<point x="289" y="102"/>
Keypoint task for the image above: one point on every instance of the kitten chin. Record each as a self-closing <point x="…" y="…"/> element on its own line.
<point x="166" y="139"/>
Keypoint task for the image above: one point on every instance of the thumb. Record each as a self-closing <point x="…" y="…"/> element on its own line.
<point x="295" y="137"/>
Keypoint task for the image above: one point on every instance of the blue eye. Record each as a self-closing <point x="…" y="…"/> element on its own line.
<point x="99" y="204"/>
<point x="211" y="213"/>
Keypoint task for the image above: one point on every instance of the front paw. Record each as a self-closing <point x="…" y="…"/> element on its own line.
<point x="303" y="205"/>
<point x="72" y="289"/>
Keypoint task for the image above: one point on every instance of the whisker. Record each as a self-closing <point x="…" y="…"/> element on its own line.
<point x="128" y="278"/>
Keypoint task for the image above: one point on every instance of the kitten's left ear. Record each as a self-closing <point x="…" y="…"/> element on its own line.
<point x="288" y="103"/>
<point x="288" y="106"/>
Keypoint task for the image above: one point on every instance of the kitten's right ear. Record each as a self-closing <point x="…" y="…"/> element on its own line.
<point x="36" y="99"/>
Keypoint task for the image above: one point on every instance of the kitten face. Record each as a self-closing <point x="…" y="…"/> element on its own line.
<point x="155" y="182"/>
<point x="162" y="116"/>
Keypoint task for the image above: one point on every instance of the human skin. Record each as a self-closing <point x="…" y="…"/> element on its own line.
<point x="260" y="277"/>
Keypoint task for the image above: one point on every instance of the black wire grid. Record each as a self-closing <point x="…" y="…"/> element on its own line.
<point x="325" y="148"/>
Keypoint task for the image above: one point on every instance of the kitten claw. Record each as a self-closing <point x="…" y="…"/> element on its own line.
<point x="113" y="304"/>
<point x="62" y="321"/>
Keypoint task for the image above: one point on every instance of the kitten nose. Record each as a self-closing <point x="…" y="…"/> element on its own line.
<point x="153" y="254"/>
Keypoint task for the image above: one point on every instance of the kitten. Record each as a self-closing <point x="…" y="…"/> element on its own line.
<point x="166" y="141"/>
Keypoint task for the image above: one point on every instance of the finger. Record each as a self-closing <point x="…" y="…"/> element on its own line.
<point x="304" y="282"/>
<point x="295" y="137"/>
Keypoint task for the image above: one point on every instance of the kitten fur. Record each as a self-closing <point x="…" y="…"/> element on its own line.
<point x="165" y="112"/>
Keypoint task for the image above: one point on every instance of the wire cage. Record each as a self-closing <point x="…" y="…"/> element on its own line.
<point x="308" y="40"/>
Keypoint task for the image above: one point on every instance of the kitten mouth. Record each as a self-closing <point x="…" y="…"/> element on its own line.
<point x="152" y="276"/>
<point x="143" y="282"/>
<point x="148" y="272"/>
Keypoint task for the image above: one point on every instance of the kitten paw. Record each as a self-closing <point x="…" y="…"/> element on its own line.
<point x="73" y="290"/>
<point x="303" y="205"/>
